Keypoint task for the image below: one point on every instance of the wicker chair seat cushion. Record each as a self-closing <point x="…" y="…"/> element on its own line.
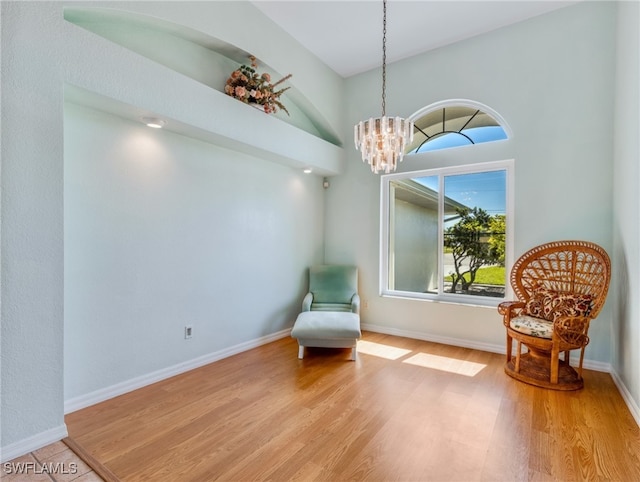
<point x="550" y="304"/>
<point x="530" y="325"/>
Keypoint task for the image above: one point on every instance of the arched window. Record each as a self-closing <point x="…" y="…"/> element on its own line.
<point x="455" y="124"/>
<point x="447" y="226"/>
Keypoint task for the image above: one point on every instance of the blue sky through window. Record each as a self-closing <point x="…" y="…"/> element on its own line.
<point x="486" y="190"/>
<point x="452" y="139"/>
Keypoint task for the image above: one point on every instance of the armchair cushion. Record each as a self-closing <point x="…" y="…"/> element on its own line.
<point x="333" y="283"/>
<point x="332" y="288"/>
<point x="549" y="304"/>
<point x="530" y="325"/>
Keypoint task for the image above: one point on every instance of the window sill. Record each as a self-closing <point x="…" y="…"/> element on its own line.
<point x="464" y="300"/>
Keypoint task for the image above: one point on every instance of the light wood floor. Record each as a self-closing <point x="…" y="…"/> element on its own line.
<point x="428" y="413"/>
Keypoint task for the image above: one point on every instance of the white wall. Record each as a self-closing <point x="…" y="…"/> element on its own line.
<point x="163" y="231"/>
<point x="551" y="78"/>
<point x="626" y="319"/>
<point x="32" y="233"/>
<point x="143" y="212"/>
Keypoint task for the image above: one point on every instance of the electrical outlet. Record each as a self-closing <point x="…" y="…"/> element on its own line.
<point x="188" y="332"/>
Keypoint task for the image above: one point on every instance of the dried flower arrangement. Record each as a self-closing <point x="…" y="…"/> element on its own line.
<point x="247" y="85"/>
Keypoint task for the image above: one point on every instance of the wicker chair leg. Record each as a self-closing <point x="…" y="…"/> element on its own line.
<point x="555" y="363"/>
<point x="518" y="351"/>
<point x="509" y="347"/>
<point x="581" y="360"/>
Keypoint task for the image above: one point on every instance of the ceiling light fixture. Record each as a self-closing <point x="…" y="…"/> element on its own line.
<point x="154" y="122"/>
<point x="383" y="139"/>
<point x="308" y="170"/>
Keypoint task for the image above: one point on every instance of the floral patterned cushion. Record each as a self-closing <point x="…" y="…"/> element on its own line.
<point x="550" y="304"/>
<point x="532" y="326"/>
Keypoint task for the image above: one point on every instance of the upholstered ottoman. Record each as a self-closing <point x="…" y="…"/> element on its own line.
<point x="329" y="329"/>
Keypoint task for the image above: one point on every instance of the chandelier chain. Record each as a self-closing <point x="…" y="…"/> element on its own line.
<point x="383" y="140"/>
<point x="384" y="56"/>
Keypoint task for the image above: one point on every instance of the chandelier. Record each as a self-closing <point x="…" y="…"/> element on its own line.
<point x="382" y="140"/>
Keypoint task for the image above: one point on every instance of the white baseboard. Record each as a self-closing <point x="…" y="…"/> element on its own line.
<point x="626" y="395"/>
<point x="103" y="394"/>
<point x="35" y="442"/>
<point x="475" y="345"/>
<point x="596" y="366"/>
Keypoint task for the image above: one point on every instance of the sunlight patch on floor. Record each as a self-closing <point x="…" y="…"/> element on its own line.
<point x="380" y="350"/>
<point x="452" y="365"/>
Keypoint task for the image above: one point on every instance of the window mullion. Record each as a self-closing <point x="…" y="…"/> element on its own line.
<point x="441" y="275"/>
<point x="391" y="239"/>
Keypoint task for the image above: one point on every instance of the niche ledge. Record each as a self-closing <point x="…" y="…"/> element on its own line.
<point x="241" y="128"/>
<point x="184" y="50"/>
<point x="98" y="74"/>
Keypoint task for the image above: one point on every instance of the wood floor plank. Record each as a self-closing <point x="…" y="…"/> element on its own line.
<point x="414" y="410"/>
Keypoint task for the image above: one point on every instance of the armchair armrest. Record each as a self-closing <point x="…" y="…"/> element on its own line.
<point x="572" y="330"/>
<point x="306" y="302"/>
<point x="355" y="304"/>
<point x="506" y="308"/>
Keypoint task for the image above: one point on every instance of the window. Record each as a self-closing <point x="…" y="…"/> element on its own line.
<point x="454" y="125"/>
<point x="446" y="233"/>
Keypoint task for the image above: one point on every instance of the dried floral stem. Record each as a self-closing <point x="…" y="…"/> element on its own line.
<point x="250" y="87"/>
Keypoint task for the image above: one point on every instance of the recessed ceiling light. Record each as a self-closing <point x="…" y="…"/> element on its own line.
<point x="308" y="170"/>
<point x="154" y="122"/>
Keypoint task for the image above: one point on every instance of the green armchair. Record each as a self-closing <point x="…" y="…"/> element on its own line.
<point x="330" y="310"/>
<point x="332" y="288"/>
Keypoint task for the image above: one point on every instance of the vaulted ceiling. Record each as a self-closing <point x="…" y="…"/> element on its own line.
<point x="347" y="35"/>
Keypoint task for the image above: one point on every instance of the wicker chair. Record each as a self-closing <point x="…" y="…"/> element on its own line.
<point x="560" y="286"/>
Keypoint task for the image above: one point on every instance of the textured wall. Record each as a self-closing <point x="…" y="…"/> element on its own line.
<point x="32" y="230"/>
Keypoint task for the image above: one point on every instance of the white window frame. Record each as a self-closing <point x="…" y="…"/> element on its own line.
<point x="386" y="223"/>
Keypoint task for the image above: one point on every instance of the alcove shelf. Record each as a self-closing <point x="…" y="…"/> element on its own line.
<point x="236" y="126"/>
<point x="100" y="76"/>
